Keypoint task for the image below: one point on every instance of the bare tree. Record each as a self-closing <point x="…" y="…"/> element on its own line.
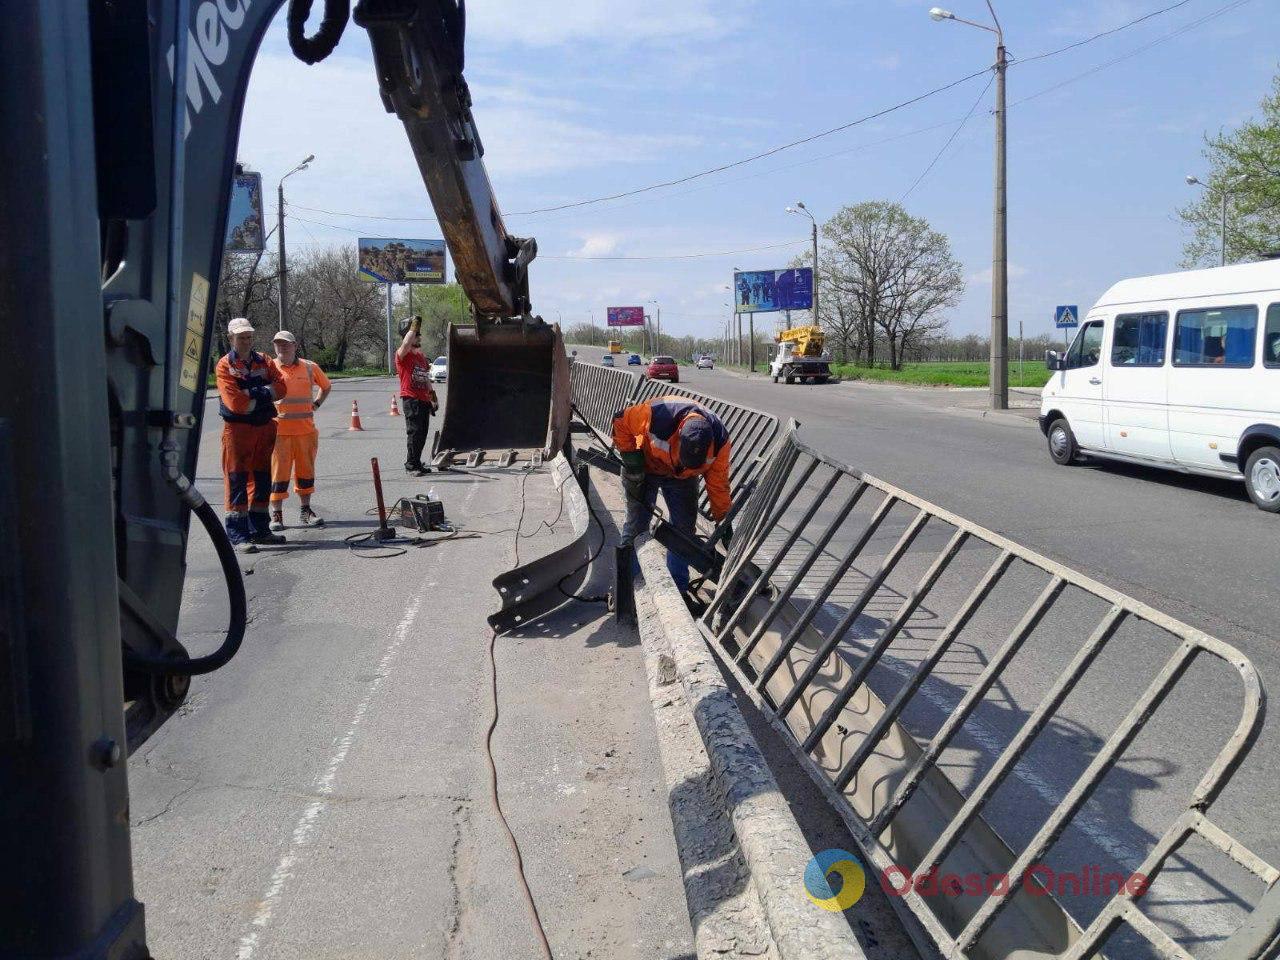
<point x="894" y="275"/>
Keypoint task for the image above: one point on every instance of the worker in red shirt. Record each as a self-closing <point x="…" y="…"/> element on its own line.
<point x="249" y="383"/>
<point x="666" y="444"/>
<point x="297" y="439"/>
<point x="417" y="396"/>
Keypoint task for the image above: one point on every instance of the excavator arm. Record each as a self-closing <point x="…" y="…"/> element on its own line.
<point x="121" y="124"/>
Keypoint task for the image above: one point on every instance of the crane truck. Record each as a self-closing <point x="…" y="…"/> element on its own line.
<point x="801" y="354"/>
<point x="121" y="123"/>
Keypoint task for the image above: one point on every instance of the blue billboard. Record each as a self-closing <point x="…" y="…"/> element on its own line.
<point x="768" y="291"/>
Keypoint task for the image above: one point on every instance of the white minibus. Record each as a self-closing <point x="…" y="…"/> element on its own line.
<point x="1179" y="371"/>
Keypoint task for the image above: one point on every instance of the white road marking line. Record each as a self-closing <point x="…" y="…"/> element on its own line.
<point x="324" y="784"/>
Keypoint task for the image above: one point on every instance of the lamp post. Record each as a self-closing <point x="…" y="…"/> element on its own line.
<point x="1000" y="239"/>
<point x="284" y="271"/>
<point x="657" y="328"/>
<point x="1194" y="181"/>
<point x="801" y="208"/>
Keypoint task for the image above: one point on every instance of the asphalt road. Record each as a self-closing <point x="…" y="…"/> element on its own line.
<point x="327" y="795"/>
<point x="1193" y="548"/>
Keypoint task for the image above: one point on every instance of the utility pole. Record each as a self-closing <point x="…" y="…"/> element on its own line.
<point x="1000" y="253"/>
<point x="1000" y="236"/>
<point x="391" y="365"/>
<point x="284" y="267"/>
<point x="284" y="270"/>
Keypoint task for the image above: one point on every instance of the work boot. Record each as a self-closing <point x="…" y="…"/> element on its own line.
<point x="247" y="547"/>
<point x="277" y="519"/>
<point x="308" y="517"/>
<point x="267" y="539"/>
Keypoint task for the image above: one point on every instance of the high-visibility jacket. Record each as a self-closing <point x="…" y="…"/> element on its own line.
<point x="294" y="410"/>
<point x="256" y="373"/>
<point x="653" y="428"/>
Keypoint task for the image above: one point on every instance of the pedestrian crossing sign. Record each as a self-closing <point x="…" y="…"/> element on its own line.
<point x="1066" y="316"/>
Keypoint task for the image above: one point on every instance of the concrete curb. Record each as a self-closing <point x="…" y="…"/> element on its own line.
<point x="772" y="845"/>
<point x="724" y="907"/>
<point x="993" y="416"/>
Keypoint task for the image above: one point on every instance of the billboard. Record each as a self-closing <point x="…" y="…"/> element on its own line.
<point x="626" y="316"/>
<point x="244" y="215"/>
<point x="766" y="291"/>
<point x="401" y="261"/>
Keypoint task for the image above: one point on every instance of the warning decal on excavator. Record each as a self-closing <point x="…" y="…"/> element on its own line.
<point x="194" y="337"/>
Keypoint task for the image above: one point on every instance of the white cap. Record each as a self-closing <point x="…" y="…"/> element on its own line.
<point x="284" y="335"/>
<point x="239" y="325"/>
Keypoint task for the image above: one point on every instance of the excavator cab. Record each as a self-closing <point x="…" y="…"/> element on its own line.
<point x="508" y="395"/>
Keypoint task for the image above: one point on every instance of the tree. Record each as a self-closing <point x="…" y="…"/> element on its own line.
<point x="890" y="275"/>
<point x="1245" y="166"/>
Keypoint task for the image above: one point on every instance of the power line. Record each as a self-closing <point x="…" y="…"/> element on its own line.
<point x="759" y="156"/>
<point x="1103" y="33"/>
<point x="1185" y="28"/>
<point x="950" y="140"/>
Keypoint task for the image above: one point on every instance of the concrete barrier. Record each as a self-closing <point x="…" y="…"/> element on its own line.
<point x="771" y="844"/>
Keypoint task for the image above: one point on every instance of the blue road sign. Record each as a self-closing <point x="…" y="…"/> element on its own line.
<point x="1066" y="316"/>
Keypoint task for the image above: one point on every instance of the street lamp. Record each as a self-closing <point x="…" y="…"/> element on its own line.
<point x="284" y="280"/>
<point x="656" y="333"/>
<point x="801" y="208"/>
<point x="1194" y="181"/>
<point x="1000" y="240"/>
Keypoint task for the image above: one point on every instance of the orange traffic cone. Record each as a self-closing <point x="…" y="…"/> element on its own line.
<point x="355" y="417"/>
<point x="395" y="411"/>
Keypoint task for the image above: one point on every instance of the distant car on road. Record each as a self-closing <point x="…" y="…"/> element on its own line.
<point x="440" y="369"/>
<point x="634" y="360"/>
<point x="607" y="360"/>
<point x="1176" y="371"/>
<point x="663" y="368"/>
<point x="705" y="363"/>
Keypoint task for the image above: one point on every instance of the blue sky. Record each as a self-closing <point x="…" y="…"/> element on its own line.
<point x="582" y="98"/>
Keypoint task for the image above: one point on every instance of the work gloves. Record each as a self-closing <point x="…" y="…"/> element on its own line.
<point x="633" y="475"/>
<point x="263" y="392"/>
<point x="416" y="325"/>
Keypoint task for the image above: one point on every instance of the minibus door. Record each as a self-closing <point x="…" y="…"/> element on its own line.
<point x="1137" y="386"/>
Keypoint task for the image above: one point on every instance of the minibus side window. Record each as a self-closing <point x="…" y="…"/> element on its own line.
<point x="1271" y="338"/>
<point x="1215" y="337"/>
<point x="1087" y="349"/>
<point x="1138" y="340"/>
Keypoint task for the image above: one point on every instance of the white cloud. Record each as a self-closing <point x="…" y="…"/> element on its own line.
<point x="554" y="23"/>
<point x="596" y="245"/>
<point x="983" y="277"/>
<point x="889" y="61"/>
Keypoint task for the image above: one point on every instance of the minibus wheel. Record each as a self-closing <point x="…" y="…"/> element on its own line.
<point x="1262" y="478"/>
<point x="1062" y="442"/>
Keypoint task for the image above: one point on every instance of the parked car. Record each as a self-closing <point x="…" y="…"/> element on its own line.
<point x="663" y="368"/>
<point x="440" y="369"/>
<point x="1179" y="371"/>
<point x="634" y="360"/>
<point x="705" y="363"/>
<point x="607" y="360"/>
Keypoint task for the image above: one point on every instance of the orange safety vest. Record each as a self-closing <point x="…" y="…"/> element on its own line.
<point x="294" y="411"/>
<point x="653" y="427"/>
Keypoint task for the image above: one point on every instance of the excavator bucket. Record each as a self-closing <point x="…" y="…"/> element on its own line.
<point x="508" y="394"/>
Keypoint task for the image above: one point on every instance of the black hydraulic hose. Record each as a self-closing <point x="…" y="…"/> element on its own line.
<point x="239" y="614"/>
<point x="314" y="49"/>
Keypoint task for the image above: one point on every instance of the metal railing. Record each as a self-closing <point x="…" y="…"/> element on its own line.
<point x="600" y="392"/>
<point x="829" y="573"/>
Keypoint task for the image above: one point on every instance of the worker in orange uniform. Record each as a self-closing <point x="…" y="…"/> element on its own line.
<point x="297" y="439"/>
<point x="249" y="383"/>
<point x="666" y="444"/>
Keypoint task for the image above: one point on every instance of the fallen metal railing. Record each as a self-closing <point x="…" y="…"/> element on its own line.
<point x="814" y="552"/>
<point x="600" y="392"/>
